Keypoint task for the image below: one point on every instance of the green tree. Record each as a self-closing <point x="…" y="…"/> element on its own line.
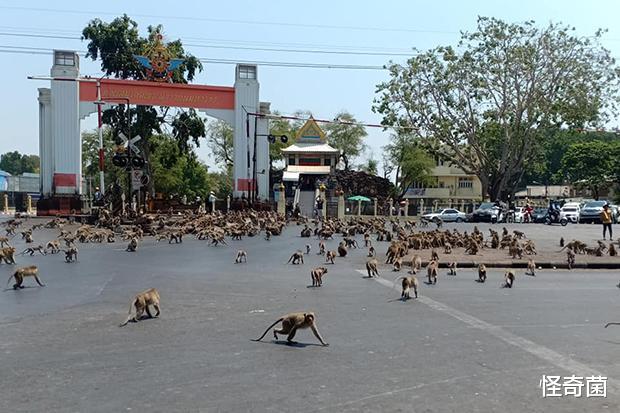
<point x="590" y="165"/>
<point x="90" y="159"/>
<point x="114" y="44"/>
<point x="346" y="136"/>
<point x="16" y="164"/>
<point x="483" y="108"/>
<point x="409" y="161"/>
<point x="220" y="141"/>
<point x="370" y="166"/>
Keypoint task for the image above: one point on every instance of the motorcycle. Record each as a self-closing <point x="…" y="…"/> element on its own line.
<point x="553" y="217"/>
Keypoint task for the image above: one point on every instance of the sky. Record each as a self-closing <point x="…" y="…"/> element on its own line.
<point x="372" y="33"/>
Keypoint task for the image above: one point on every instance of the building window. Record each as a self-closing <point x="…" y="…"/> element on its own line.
<point x="247" y="72"/>
<point x="64" y="58"/>
<point x="466" y="183"/>
<point x="291" y="160"/>
<point x="327" y="161"/>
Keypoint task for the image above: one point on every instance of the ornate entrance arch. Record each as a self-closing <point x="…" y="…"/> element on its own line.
<point x="71" y="98"/>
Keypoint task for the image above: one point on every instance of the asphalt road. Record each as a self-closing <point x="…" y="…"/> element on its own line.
<point x="461" y="347"/>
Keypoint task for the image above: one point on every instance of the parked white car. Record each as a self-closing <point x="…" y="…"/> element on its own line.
<point x="570" y="212"/>
<point x="446" y="215"/>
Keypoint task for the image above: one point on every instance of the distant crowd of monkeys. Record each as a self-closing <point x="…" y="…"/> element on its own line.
<point x="215" y="227"/>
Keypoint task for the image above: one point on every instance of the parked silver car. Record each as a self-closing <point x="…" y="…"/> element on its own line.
<point x="446" y="215"/>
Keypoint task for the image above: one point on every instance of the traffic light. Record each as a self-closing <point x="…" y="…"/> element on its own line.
<point x="137" y="162"/>
<point x="120" y="160"/>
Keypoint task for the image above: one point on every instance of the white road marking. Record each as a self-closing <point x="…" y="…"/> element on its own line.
<point x="542" y="352"/>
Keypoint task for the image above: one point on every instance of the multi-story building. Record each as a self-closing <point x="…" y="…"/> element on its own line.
<point x="451" y="186"/>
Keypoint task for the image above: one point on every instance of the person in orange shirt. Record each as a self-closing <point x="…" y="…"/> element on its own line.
<point x="606" y="219"/>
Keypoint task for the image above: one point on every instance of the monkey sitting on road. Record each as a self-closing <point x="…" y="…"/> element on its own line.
<point x="398" y="263"/>
<point x="531" y="267"/>
<point x="407" y="284"/>
<point x="371" y="268"/>
<point x="32" y="250"/>
<point x="308" y="248"/>
<point x="330" y="256"/>
<point x="482" y="273"/>
<point x="372" y="252"/>
<point x="133" y="245"/>
<point x="141" y="303"/>
<point x="293" y="322"/>
<point x="4" y="242"/>
<point x="176" y="236"/>
<point x="431" y="271"/>
<point x="612" y="250"/>
<point x="447" y="248"/>
<point x="561" y="241"/>
<point x="317" y="276"/>
<point x="342" y="249"/>
<point x="296" y="257"/>
<point x="509" y="279"/>
<point x="29" y="239"/>
<point x="434" y="255"/>
<point x="71" y="254"/>
<point x="452" y="268"/>
<point x="242" y="256"/>
<point x="321" y="248"/>
<point x="267" y="235"/>
<point x="21" y="273"/>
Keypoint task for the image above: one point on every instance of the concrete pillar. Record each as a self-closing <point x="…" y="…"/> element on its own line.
<point x="340" y="205"/>
<point x="462" y="205"/>
<point x="5" y="203"/>
<point x="450" y="203"/>
<point x="281" y="200"/>
<point x="421" y="206"/>
<point x="228" y="204"/>
<point x="124" y="206"/>
<point x="29" y="204"/>
<point x="359" y="207"/>
<point x="435" y="202"/>
<point x="375" y="208"/>
<point x="406" y="207"/>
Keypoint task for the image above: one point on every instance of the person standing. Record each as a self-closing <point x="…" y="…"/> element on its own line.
<point x="606" y="219"/>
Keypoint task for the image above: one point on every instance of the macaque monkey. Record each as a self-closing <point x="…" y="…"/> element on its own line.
<point x="161" y="237"/>
<point x="372" y="252"/>
<point x="133" y="245"/>
<point x="330" y="256"/>
<point x="434" y="255"/>
<point x="293" y="322"/>
<point x="447" y="248"/>
<point x="612" y="250"/>
<point x="452" y="268"/>
<point x="431" y="271"/>
<point x="519" y="234"/>
<point x="321" y="248"/>
<point x="8" y="255"/>
<point x="416" y="264"/>
<point x="53" y="246"/>
<point x="176" y="236"/>
<point x="308" y="248"/>
<point x="296" y="257"/>
<point x="267" y="235"/>
<point x="317" y="276"/>
<point x="371" y="267"/>
<point x="531" y="267"/>
<point x="29" y="239"/>
<point x="32" y="250"/>
<point x="408" y="283"/>
<point x="570" y="259"/>
<point x="71" y="254"/>
<point x="367" y="242"/>
<point x="342" y="249"/>
<point x="561" y="241"/>
<point x="398" y="263"/>
<point x="141" y="302"/>
<point x="242" y="256"/>
<point x="509" y="279"/>
<point x="482" y="273"/>
<point x="21" y="273"/>
<point x="110" y="237"/>
<point x="4" y="242"/>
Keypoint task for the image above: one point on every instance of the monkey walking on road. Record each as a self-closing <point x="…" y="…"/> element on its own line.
<point x="141" y="303"/>
<point x="293" y="322"/>
<point x="509" y="279"/>
<point x="482" y="273"/>
<point x="296" y="257"/>
<point x="21" y="273"/>
<point x="408" y="283"/>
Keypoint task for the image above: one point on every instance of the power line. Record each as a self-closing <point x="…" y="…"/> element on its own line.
<point x="208" y="46"/>
<point x="43" y="51"/>
<point x="233" y="21"/>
